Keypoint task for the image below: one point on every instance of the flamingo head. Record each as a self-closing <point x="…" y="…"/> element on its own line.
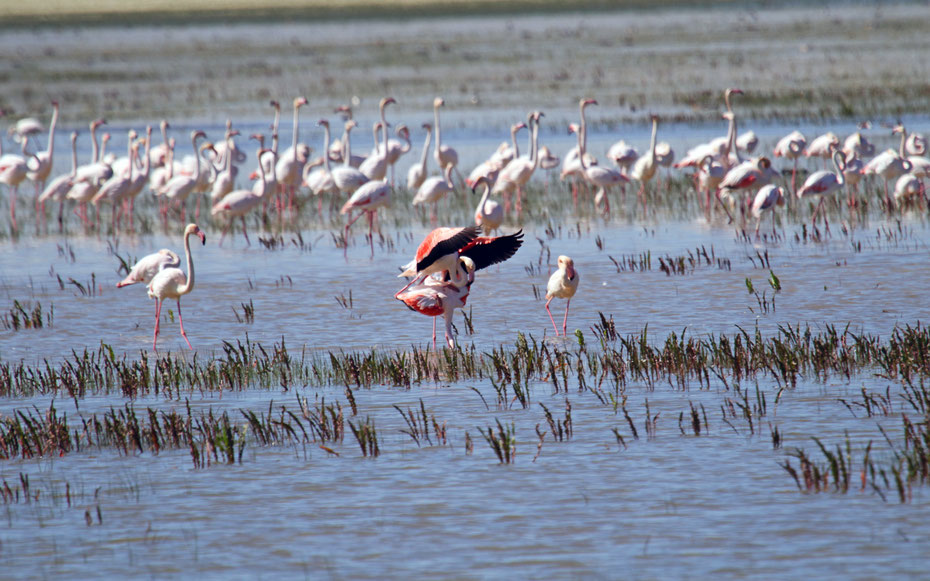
<point x="403" y="131"/>
<point x="478" y="182"/>
<point x="386" y="101"/>
<point x="568" y="265"/>
<point x="97" y="123"/>
<point x="585" y="102"/>
<point x="350" y="125"/>
<point x="197" y="134"/>
<point x="275" y="104"/>
<point x="195" y="229"/>
<point x="300" y="102"/>
<point x="438" y="102"/>
<point x="573" y="128"/>
<point x="74" y="135"/>
<point x="898" y="128"/>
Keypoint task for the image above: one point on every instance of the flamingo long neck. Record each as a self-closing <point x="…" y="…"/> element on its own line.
<point x="131" y="151"/>
<point x="196" y="160"/>
<point x="74" y="164"/>
<point x="425" y="154"/>
<point x="50" y="150"/>
<point x="529" y="137"/>
<point x="652" y="141"/>
<point x="534" y="151"/>
<point x="513" y="139"/>
<point x="274" y="129"/>
<point x="96" y="148"/>
<point x="839" y="162"/>
<point x="147" y="163"/>
<point x="326" y="147"/>
<point x="581" y="150"/>
<point x="296" y="129"/>
<point x="407" y="146"/>
<point x="484" y="197"/>
<point x="347" y="148"/>
<point x="377" y="139"/>
<point x="902" y="151"/>
<point x="438" y="143"/>
<point x="188" y="285"/>
<point x="448" y="175"/>
<point x="384" y="130"/>
<point x="583" y="130"/>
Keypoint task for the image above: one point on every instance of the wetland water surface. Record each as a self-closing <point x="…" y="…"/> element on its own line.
<point x="619" y="485"/>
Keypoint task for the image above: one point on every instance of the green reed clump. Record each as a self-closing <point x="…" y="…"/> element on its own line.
<point x="419" y="423"/>
<point x="24" y="317"/>
<point x="504" y="442"/>
<point x="560" y="430"/>
<point x="367" y="437"/>
<point x="26" y="435"/>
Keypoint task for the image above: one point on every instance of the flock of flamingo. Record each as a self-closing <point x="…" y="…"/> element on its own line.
<point x="725" y="174"/>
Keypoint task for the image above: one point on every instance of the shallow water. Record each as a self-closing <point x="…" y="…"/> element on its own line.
<point x="672" y="506"/>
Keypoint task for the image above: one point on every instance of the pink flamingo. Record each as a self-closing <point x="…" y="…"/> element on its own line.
<point x="240" y="202"/>
<point x="38" y="173"/>
<point x="172" y="283"/>
<point x="766" y="199"/>
<point x="790" y="147"/>
<point x="562" y="284"/>
<point x="417" y="173"/>
<point x="368" y="198"/>
<point x="435" y="298"/>
<point x="145" y="269"/>
<point x="823" y="183"/>
<point x="489" y="215"/>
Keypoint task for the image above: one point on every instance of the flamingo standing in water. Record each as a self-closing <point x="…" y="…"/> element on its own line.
<point x="434" y="189"/>
<point x="435" y="298"/>
<point x="145" y="269"/>
<point x="58" y="188"/>
<point x="241" y="202"/>
<point x="288" y="169"/>
<point x="347" y="178"/>
<point x="823" y="183"/>
<point x="489" y="214"/>
<point x="822" y="146"/>
<point x="172" y="283"/>
<point x="447" y="290"/>
<point x="790" y="147"/>
<point x="367" y="199"/>
<point x="562" y="284"/>
<point x="417" y="173"/>
<point x="443" y="154"/>
<point x="644" y="168"/>
<point x="519" y="170"/>
<point x="766" y="199"/>
<point x="39" y="171"/>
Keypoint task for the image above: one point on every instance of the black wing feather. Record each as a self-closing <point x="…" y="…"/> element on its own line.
<point x="449" y="246"/>
<point x="484" y="253"/>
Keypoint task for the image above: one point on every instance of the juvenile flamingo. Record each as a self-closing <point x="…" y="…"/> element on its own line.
<point x="562" y="284"/>
<point x="490" y="214"/>
<point x="172" y="283"/>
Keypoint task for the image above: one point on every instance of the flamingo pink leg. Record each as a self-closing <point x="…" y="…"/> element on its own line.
<point x="157" y="319"/>
<point x="552" y="319"/>
<point x="565" y="320"/>
<point x="181" y="319"/>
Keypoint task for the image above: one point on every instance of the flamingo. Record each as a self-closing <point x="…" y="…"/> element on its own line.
<point x="857" y="144"/>
<point x="180" y="187"/>
<point x="823" y="183"/>
<point x="435" y="298"/>
<point x="562" y="284"/>
<point x="518" y="172"/>
<point x="158" y="155"/>
<point x="623" y="155"/>
<point x="139" y="181"/>
<point x="644" y="169"/>
<point x="790" y="147"/>
<point x="288" y="170"/>
<point x="321" y="181"/>
<point x="38" y="173"/>
<point x="417" y="173"/>
<point x="149" y="265"/>
<point x="710" y="175"/>
<point x="115" y="189"/>
<point x="889" y="164"/>
<point x="766" y="199"/>
<point x="172" y="283"/>
<point x="434" y="189"/>
<point x="747" y="142"/>
<point x="907" y="186"/>
<point x="240" y="202"/>
<point x="90" y="176"/>
<point x="751" y="173"/>
<point x="13" y="170"/>
<point x="489" y="214"/>
<point x="347" y="178"/>
<point x="598" y="176"/>
<point x="375" y="165"/>
<point x="822" y="146"/>
<point x="225" y="180"/>
<point x="443" y="154"/>
<point x="367" y="199"/>
<point x="58" y="188"/>
<point x="24" y="129"/>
